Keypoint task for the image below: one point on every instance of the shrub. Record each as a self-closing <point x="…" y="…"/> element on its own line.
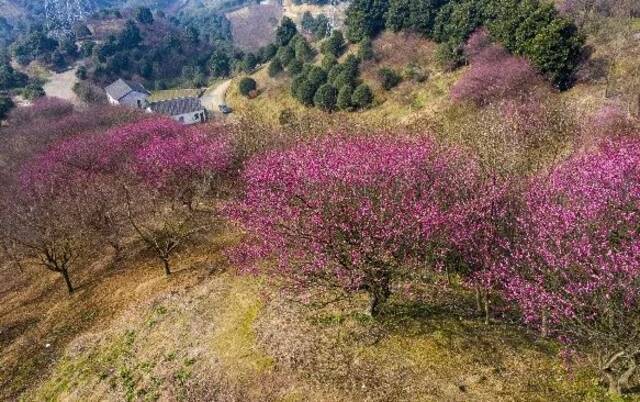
<point x="362" y="96"/>
<point x="246" y="85"/>
<point x="326" y="97"/>
<point x="389" y="79"/>
<point x="350" y="214"/>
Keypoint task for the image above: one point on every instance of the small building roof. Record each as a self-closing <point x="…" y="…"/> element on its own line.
<point x="175" y="107"/>
<point x="122" y="88"/>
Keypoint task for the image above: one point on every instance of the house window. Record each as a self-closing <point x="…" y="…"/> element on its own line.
<point x="139" y="104"/>
<point x="181" y="119"/>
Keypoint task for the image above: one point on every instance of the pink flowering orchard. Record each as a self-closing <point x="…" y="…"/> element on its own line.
<point x="90" y="179"/>
<point x="352" y="214"/>
<point x="574" y="269"/>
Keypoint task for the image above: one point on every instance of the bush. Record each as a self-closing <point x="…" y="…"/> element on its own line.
<point x="389" y="79"/>
<point x="362" y="96"/>
<point x="246" y="85"/>
<point x="326" y="97"/>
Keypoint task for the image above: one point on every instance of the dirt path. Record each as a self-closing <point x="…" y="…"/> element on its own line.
<point x="60" y="85"/>
<point x="215" y="96"/>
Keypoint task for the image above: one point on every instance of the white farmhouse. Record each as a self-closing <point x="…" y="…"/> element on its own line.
<point x="127" y="93"/>
<point x="183" y="110"/>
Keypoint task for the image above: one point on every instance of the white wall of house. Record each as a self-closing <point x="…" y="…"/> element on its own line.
<point x="191" y="118"/>
<point x="134" y="99"/>
<point x="112" y="100"/>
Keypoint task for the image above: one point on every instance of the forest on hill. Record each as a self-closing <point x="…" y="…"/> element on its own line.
<point x="440" y="201"/>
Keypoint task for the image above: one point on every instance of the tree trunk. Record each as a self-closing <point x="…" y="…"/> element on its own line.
<point x="486" y="308"/>
<point x="67" y="280"/>
<point x="545" y="325"/>
<point x="167" y="267"/>
<point x="478" y="300"/>
<point x="379" y="291"/>
<point x="373" y="310"/>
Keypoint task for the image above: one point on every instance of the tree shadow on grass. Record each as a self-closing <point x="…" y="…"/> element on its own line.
<point x="462" y="327"/>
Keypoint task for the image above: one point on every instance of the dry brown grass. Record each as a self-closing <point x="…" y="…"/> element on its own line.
<point x="36" y="311"/>
<point x="129" y="333"/>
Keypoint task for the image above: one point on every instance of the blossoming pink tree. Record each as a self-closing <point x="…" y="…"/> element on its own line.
<point x="142" y="177"/>
<point x="493" y="74"/>
<point x="350" y="214"/>
<point x="574" y="270"/>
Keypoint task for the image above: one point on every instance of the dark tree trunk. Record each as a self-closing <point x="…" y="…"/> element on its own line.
<point x="379" y="290"/>
<point x="167" y="267"/>
<point x="67" y="280"/>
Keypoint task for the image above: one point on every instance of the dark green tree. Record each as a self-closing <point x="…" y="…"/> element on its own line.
<point x="247" y="85"/>
<point x="326" y="97"/>
<point x="305" y="92"/>
<point x="389" y="79"/>
<point x="286" y="54"/>
<point x="130" y="36"/>
<point x="6" y="104"/>
<point x="365" y="49"/>
<point x="249" y="62"/>
<point x="144" y="16"/>
<point x="295" y="67"/>
<point x="286" y="31"/>
<point x="328" y="61"/>
<point x="365" y="18"/>
<point x="317" y="76"/>
<point x="343" y="101"/>
<point x="362" y="96"/>
<point x="275" y="68"/>
<point x="335" y="44"/>
<point x="303" y="51"/>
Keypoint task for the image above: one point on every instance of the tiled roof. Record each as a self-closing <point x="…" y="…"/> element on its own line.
<point x="122" y="88"/>
<point x="175" y="107"/>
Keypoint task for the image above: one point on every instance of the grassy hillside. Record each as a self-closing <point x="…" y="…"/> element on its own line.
<point x="207" y="334"/>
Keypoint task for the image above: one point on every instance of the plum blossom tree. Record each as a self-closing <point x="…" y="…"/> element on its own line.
<point x="350" y="214"/>
<point x="163" y="168"/>
<point x="494" y="74"/>
<point x="574" y="269"/>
